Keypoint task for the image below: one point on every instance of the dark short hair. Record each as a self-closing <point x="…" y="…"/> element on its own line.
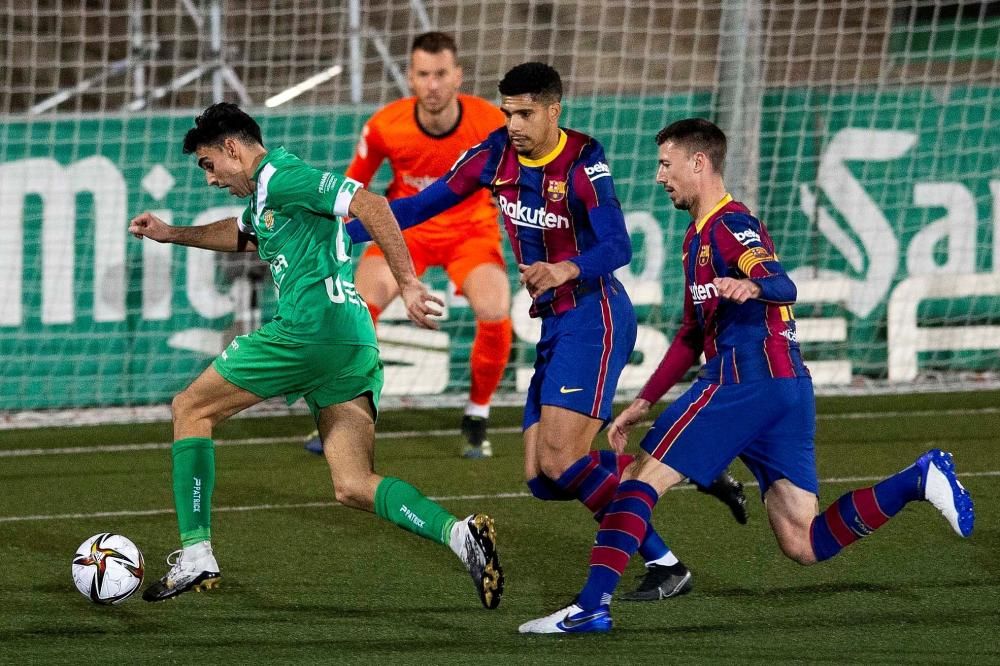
<point x="219" y="122"/>
<point x="434" y="42"/>
<point x="537" y="79"/>
<point x="697" y="135"/>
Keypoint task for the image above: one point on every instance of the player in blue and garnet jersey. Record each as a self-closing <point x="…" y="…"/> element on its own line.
<point x="753" y="397"/>
<point x="558" y="203"/>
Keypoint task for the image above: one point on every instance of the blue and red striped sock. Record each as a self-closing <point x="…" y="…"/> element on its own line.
<point x="598" y="465"/>
<point x="622" y="530"/>
<point x="860" y="512"/>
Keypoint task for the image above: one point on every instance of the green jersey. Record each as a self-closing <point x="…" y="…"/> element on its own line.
<point x="294" y="214"/>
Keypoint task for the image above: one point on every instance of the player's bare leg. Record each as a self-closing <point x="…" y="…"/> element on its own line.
<point x="488" y="291"/>
<point x="348" y="431"/>
<point x="791" y="511"/>
<point x="209" y="400"/>
<point x="559" y="439"/>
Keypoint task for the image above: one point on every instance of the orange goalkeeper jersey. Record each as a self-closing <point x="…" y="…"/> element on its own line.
<point x="418" y="159"/>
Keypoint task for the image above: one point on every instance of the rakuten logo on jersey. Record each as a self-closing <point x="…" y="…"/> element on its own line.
<point x="537" y="218"/>
<point x="599" y="170"/>
<point x="747" y="237"/>
<point x="702" y="292"/>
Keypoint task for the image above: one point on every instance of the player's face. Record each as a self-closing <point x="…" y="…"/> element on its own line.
<point x="434" y="79"/>
<point x="223" y="169"/>
<point x="675" y="174"/>
<point x="533" y="126"/>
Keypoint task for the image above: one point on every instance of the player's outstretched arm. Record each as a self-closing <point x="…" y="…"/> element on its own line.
<point x="374" y="213"/>
<point x="221" y="236"/>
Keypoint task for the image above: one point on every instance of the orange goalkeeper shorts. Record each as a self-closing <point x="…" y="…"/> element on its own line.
<point x="458" y="255"/>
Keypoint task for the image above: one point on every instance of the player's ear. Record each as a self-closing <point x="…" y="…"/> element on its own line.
<point x="230" y="147"/>
<point x="555" y="110"/>
<point x="699" y="161"/>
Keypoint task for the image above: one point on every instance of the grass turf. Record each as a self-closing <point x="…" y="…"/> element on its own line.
<point x="322" y="583"/>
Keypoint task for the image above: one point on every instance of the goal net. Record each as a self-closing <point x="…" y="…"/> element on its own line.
<point x="865" y="134"/>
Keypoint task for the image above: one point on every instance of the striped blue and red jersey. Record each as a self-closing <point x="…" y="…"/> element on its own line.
<point x="741" y="342"/>
<point x="560" y="207"/>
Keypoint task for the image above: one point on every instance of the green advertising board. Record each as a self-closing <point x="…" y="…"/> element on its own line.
<point x="866" y="192"/>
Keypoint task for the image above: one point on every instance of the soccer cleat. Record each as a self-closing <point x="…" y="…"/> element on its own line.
<point x="474" y="541"/>
<point x="729" y="491"/>
<point x="943" y="489"/>
<point x="570" y="620"/>
<point x="314" y="444"/>
<point x="661" y="582"/>
<point x="193" y="568"/>
<point x="474" y="430"/>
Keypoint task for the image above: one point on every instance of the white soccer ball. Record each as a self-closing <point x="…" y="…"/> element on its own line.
<point x="107" y="568"/>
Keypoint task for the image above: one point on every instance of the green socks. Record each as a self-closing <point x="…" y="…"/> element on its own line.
<point x="402" y="504"/>
<point x="194" y="479"/>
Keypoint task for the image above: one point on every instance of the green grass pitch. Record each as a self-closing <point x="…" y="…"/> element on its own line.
<point x="306" y="581"/>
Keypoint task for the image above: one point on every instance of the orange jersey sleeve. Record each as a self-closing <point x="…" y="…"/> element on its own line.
<point x="418" y="159"/>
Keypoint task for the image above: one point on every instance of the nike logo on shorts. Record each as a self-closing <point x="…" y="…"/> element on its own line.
<point x="563" y="389"/>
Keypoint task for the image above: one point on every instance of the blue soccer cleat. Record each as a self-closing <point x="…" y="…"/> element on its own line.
<point x="314" y="444"/>
<point x="943" y="489"/>
<point x="571" y="620"/>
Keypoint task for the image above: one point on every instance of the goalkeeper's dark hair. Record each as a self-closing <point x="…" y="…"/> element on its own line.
<point x="434" y="42"/>
<point x="219" y="122"/>
<point x="697" y="135"/>
<point x="537" y="79"/>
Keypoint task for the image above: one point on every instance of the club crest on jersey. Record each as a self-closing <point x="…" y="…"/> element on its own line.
<point x="556" y="190"/>
<point x="268" y="218"/>
<point x="704" y="254"/>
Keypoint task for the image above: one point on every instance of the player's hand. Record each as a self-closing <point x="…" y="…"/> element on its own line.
<point x="541" y="276"/>
<point x="620" y="427"/>
<point x="419" y="304"/>
<point x="149" y="226"/>
<point x="739" y="291"/>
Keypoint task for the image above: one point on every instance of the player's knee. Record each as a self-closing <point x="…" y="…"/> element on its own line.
<point x="182" y="405"/>
<point x="553" y="465"/>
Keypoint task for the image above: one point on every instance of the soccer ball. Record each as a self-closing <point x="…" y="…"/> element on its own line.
<point x="107" y="568"/>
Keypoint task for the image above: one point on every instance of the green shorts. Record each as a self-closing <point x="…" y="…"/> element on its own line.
<point x="268" y="365"/>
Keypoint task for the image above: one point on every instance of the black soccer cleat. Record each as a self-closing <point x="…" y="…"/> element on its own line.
<point x="661" y="582"/>
<point x="474" y="430"/>
<point x="729" y="491"/>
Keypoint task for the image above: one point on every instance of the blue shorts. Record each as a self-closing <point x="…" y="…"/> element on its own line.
<point x="769" y="424"/>
<point x="581" y="355"/>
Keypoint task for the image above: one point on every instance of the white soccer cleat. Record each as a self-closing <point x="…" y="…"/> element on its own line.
<point x="474" y="541"/>
<point x="943" y="489"/>
<point x="193" y="568"/>
<point x="570" y="620"/>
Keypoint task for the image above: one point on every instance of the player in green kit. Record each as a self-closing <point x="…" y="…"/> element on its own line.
<point x="320" y="346"/>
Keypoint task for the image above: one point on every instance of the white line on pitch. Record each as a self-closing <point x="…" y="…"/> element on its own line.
<point x="413" y="434"/>
<point x="314" y="505"/>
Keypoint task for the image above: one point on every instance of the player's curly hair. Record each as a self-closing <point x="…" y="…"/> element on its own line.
<point x="537" y="79"/>
<point x="697" y="135"/>
<point x="219" y="122"/>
